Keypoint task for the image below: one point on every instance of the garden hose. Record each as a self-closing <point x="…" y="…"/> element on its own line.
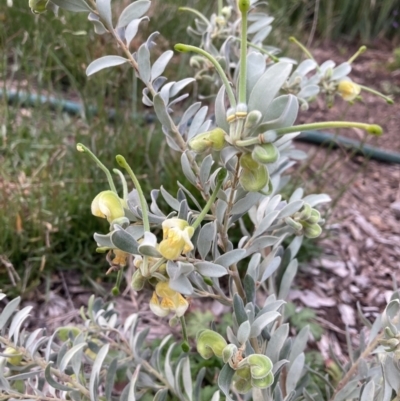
<point x="315" y="137"/>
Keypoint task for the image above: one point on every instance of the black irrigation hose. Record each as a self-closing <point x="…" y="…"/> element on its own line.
<point x="315" y="137"/>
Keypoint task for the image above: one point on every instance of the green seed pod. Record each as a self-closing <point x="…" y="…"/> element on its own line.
<point x="260" y="365"/>
<point x="312" y="230"/>
<point x="15" y="357"/>
<point x="265" y="153"/>
<point x="138" y="280"/>
<point x="242" y="386"/>
<point x="210" y="343"/>
<point x="264" y="382"/>
<point x="244" y="5"/>
<point x="294" y="224"/>
<point x="253" y="176"/>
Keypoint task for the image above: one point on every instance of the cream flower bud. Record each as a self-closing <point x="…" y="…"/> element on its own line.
<point x="348" y="90"/>
<point x="108" y="205"/>
<point x="176" y="238"/>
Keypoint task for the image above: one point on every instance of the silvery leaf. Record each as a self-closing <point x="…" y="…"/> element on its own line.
<point x="291" y="209"/>
<point x="243" y="332"/>
<point x="261" y="322"/>
<point x="104" y="62"/>
<point x="249" y="287"/>
<point x="220" y="110"/>
<point x="303" y="69"/>
<point x="72" y="5"/>
<point x="178" y="86"/>
<point x="225" y="380"/>
<point x="368" y="392"/>
<point x="160" y="64"/>
<point x="103" y="240"/>
<point x="349" y="391"/>
<point x="209" y="269"/>
<point x="148" y="246"/>
<point x="133" y="11"/>
<point x="287" y="279"/>
<point x="282" y="113"/>
<point x="205" y="170"/>
<point x="231" y="257"/>
<point x="295" y="373"/>
<point x="267" y="86"/>
<point x="95" y="372"/>
<point x="227" y="154"/>
<point x="341" y="71"/>
<point x="132" y="29"/>
<point x="52" y="382"/>
<point x="197" y="121"/>
<point x="276" y="342"/>
<point x="104" y="9"/>
<point x="314" y="200"/>
<point x="265" y="223"/>
<point x="124" y="241"/>
<point x="99" y="28"/>
<point x="261" y="34"/>
<point x="144" y="66"/>
<point x="326" y="65"/>
<point x="238" y="307"/>
<point x="308" y="92"/>
<point x="255" y="68"/>
<point x="253" y="267"/>
<point x="205" y="239"/>
<point x="188" y="114"/>
<point x="243" y="205"/>
<point x="8" y="310"/>
<point x="187" y="170"/>
<point x="162" y="115"/>
<point x="299" y="343"/>
<point x="260" y="24"/>
<point x="181" y="284"/>
<point x="296" y="195"/>
<point x="172" y="202"/>
<point x="261" y="243"/>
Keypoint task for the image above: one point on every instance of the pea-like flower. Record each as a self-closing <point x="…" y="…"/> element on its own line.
<point x="349" y="90"/>
<point x="176" y="238"/>
<point x="107" y="205"/>
<point x="171" y="301"/>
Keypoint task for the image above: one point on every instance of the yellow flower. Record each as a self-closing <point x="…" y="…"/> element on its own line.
<point x="171" y="301"/>
<point x="348" y="90"/>
<point x="108" y="205"/>
<point x="120" y="257"/>
<point x="176" y="238"/>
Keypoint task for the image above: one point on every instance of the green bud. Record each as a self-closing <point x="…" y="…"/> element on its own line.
<point x="115" y="291"/>
<point x="229" y="351"/>
<point x="138" y="280"/>
<point x="244" y="5"/>
<point x="315" y="217"/>
<point x="265" y="153"/>
<point x="388" y="332"/>
<point x="38" y="6"/>
<point x="208" y="281"/>
<point x="253" y="119"/>
<point x="180" y="47"/>
<point x="375" y="129"/>
<point x="15" y="357"/>
<point x="185" y="346"/>
<point x="210" y="343"/>
<point x="294" y="224"/>
<point x="305" y="214"/>
<point x="312" y="230"/>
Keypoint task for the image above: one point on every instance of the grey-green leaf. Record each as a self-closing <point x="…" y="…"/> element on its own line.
<point x="72" y="5"/>
<point x="209" y="269"/>
<point x="144" y="66"/>
<point x="160" y="64"/>
<point x="9" y="309"/>
<point x="133" y="11"/>
<point x="262" y="321"/>
<point x="104" y="62"/>
<point x="104" y="8"/>
<point x="295" y="373"/>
